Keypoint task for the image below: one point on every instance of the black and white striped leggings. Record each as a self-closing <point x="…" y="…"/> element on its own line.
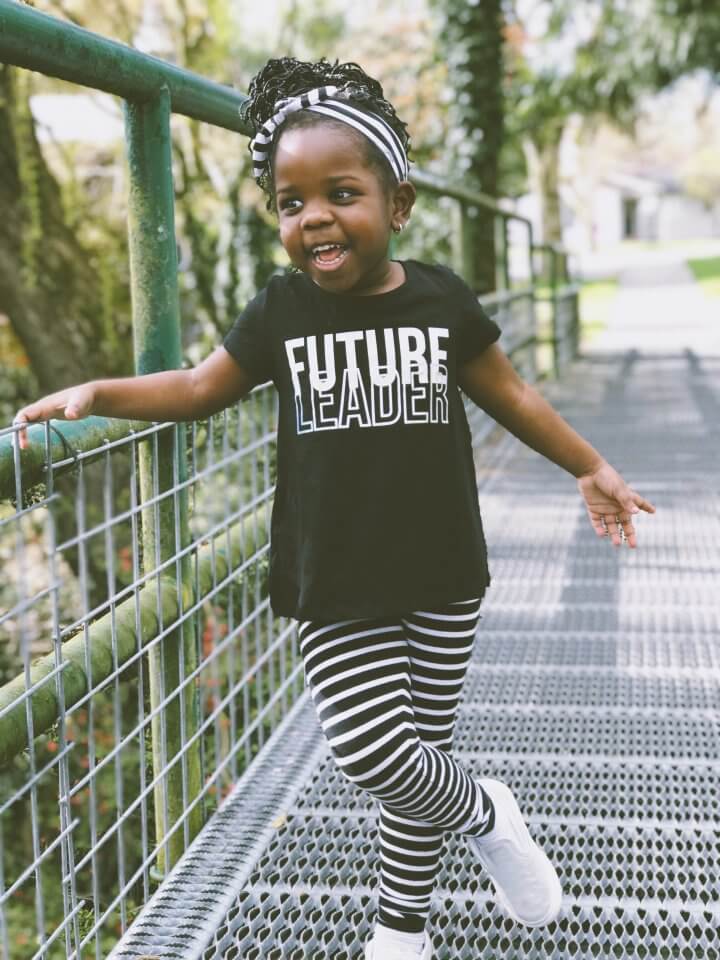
<point x="386" y="692"/>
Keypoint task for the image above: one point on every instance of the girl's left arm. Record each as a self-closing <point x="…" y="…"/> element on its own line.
<point x="491" y="381"/>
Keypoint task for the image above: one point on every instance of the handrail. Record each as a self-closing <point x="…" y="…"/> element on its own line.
<point x="66" y="440"/>
<point x="458" y="191"/>
<point x="38" y="41"/>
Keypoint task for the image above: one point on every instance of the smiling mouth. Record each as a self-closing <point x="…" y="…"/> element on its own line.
<point x="330" y="257"/>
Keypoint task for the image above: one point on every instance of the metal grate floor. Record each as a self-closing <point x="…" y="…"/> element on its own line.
<point x="594" y="693"/>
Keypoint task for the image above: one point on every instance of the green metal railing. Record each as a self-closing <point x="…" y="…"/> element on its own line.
<point x="196" y="515"/>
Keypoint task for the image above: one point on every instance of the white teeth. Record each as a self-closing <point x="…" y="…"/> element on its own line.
<point x="326" y="246"/>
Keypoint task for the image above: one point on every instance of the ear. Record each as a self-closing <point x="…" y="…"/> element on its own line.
<point x="403" y="200"/>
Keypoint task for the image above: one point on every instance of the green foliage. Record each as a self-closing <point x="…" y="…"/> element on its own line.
<point x="310" y="30"/>
<point x="472" y="45"/>
<point x="597" y="298"/>
<point x="594" y="60"/>
<point x="16" y="377"/>
<point x="692" y="29"/>
<point x="602" y="71"/>
<point x="707" y="274"/>
<point x="206" y="33"/>
<point x="472" y="41"/>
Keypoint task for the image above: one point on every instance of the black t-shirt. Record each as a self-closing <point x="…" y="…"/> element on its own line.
<point x="376" y="508"/>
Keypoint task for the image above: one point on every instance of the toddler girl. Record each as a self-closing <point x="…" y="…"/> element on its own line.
<point x="377" y="543"/>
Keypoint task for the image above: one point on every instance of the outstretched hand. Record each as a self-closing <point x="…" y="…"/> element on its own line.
<point x="74" y="403"/>
<point x="611" y="504"/>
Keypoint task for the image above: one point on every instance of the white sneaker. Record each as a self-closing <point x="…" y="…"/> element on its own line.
<point x="525" y="881"/>
<point x="397" y="952"/>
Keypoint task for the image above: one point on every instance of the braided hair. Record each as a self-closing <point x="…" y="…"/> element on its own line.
<point x="288" y="77"/>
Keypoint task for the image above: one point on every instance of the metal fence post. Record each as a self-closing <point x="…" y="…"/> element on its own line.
<point x="502" y="254"/>
<point x="156" y="330"/>
<point x="557" y="346"/>
<point x="461" y="240"/>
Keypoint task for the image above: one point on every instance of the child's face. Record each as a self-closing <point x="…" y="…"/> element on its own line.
<point x="326" y="194"/>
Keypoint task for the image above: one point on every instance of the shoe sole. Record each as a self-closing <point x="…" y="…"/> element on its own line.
<point x="556" y="902"/>
<point x="370" y="950"/>
<point x="549" y="917"/>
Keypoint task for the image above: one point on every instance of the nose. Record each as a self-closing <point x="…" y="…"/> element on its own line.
<point x="316" y="213"/>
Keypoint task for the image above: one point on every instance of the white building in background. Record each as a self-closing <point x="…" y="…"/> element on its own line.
<point x="627" y="205"/>
<point x="643" y="206"/>
<point x="614" y="188"/>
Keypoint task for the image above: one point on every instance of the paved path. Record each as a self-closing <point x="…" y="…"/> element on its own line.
<point x="660" y="309"/>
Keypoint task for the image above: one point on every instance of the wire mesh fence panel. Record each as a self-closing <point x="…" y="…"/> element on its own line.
<point x="87" y="813"/>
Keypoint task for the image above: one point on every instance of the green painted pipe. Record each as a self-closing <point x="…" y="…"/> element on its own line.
<point x="165" y="528"/>
<point x="431" y="183"/>
<point x="66" y="437"/>
<point x="215" y="561"/>
<point x="37" y="41"/>
<point x="151" y="236"/>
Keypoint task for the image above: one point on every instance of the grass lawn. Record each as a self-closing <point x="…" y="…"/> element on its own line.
<point x="707" y="274"/>
<point x="596" y="300"/>
<point x="691" y="248"/>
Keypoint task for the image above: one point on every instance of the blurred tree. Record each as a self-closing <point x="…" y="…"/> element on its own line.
<point x="701" y="177"/>
<point x="598" y="60"/>
<point x="588" y="61"/>
<point x="471" y="42"/>
<point x="63" y="269"/>
<point x="84" y="295"/>
<point x="692" y="29"/>
<point x="310" y="31"/>
<point x="51" y="286"/>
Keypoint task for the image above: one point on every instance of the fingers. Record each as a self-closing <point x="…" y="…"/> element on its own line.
<point x="617" y="527"/>
<point x="614" y="529"/>
<point x="44" y="409"/>
<point x="611" y="508"/>
<point x="599" y="524"/>
<point x="21" y="435"/>
<point x="632" y="502"/>
<point x="25" y="416"/>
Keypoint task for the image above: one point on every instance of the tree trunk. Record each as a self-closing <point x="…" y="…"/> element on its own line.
<point x="49" y="285"/>
<point x="474" y="42"/>
<point x="546" y="168"/>
<point x="543" y="152"/>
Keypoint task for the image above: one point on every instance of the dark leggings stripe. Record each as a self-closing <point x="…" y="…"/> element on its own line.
<point x="386" y="692"/>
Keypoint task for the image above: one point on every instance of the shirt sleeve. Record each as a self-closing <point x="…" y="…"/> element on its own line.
<point x="248" y="340"/>
<point x="476" y="331"/>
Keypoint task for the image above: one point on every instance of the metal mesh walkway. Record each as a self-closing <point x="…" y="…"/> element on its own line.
<point x="593" y="693"/>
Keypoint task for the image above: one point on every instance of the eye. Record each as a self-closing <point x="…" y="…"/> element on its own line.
<point x="285" y="204"/>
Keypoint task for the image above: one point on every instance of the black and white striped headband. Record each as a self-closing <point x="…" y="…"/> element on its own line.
<point x="327" y="100"/>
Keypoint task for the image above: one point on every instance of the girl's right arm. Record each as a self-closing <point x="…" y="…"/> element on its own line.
<point x="170" y="395"/>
